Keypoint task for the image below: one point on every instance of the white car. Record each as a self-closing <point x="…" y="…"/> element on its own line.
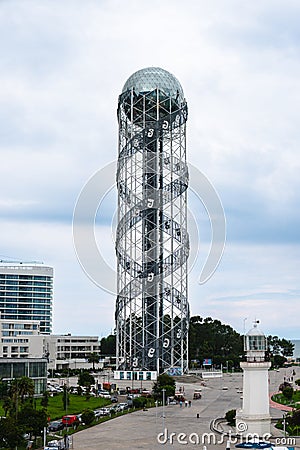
<point x="104" y="411"/>
<point x="55" y="445"/>
<point x="123" y="406"/>
<point x="104" y="395"/>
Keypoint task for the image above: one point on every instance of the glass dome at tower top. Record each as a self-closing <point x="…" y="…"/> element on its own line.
<point x="150" y="78"/>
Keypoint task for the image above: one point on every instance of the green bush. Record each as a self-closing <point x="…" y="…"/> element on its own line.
<point x="288" y="392"/>
<point x="139" y="402"/>
<point x="88" y="416"/>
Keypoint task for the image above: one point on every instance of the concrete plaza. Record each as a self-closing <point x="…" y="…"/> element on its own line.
<point x="139" y="430"/>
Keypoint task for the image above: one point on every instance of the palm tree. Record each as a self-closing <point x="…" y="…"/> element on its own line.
<point x="93" y="358"/>
<point x="22" y="387"/>
<point x="8" y="405"/>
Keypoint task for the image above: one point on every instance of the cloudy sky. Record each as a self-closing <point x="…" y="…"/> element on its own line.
<point x="64" y="63"/>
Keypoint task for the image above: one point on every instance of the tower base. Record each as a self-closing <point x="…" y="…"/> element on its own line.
<point x="258" y="425"/>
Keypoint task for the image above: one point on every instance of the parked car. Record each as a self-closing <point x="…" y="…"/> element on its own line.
<point x="97" y="414"/>
<point x="146" y="393"/>
<point x="114" y="399"/>
<point x="102" y="412"/>
<point x="123" y="406"/>
<point x="57" y="425"/>
<point x="55" y="445"/>
<point x="104" y="394"/>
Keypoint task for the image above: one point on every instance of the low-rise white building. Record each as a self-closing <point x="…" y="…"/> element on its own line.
<point x="71" y="352"/>
<point x="22" y="339"/>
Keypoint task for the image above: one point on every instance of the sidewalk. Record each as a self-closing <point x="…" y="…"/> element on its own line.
<point x="279" y="405"/>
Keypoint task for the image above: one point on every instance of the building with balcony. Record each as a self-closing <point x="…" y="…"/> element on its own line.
<point x="20" y="339"/>
<point x="67" y="351"/>
<point x="26" y="294"/>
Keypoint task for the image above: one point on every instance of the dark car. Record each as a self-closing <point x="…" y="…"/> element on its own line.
<point x="114" y="399"/>
<point x="56" y="426"/>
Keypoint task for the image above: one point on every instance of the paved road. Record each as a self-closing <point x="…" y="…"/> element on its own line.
<point x="139" y="430"/>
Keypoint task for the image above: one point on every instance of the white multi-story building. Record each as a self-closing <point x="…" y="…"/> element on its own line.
<point x="67" y="351"/>
<point x="26" y="294"/>
<point x="20" y="339"/>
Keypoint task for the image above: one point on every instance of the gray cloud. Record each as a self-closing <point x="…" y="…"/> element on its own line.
<point x="61" y="72"/>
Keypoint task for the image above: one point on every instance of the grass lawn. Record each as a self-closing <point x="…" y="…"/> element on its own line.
<point x="280" y="398"/>
<point x="76" y="405"/>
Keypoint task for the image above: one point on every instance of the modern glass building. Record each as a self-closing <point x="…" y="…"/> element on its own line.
<point x="26" y="293"/>
<point x="152" y="243"/>
<point x="34" y="368"/>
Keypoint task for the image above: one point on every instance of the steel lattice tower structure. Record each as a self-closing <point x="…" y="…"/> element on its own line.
<point x="152" y="244"/>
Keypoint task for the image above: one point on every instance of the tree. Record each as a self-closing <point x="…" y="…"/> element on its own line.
<point x="278" y="349"/>
<point x="108" y="345"/>
<point x="210" y="338"/>
<point x="283" y="385"/>
<point x="278" y="360"/>
<point x="85" y="379"/>
<point x="287" y="347"/>
<point x="45" y="399"/>
<point x="11" y="434"/>
<point x="294" y="419"/>
<point x="288" y="392"/>
<point x="88" y="416"/>
<point x="8" y="406"/>
<point x="165" y="382"/>
<point x="32" y="420"/>
<point x="3" y="389"/>
<point x="22" y="387"/>
<point x="65" y="397"/>
<point x="93" y="358"/>
<point x="139" y="402"/>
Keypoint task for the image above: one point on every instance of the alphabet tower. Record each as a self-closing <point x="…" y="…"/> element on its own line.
<point x="152" y="243"/>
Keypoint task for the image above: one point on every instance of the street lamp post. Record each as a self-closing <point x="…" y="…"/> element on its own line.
<point x="163" y="413"/>
<point x="284" y="423"/>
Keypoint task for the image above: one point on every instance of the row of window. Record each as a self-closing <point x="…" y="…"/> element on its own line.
<point x="33" y="296"/>
<point x="77" y="341"/>
<point x="17" y="301"/>
<point x="76" y="349"/>
<point x="19" y="326"/>
<point x="17" y="333"/>
<point x="26" y="305"/>
<point x="4" y="287"/>
<point x="24" y="277"/>
<point x="21" y="369"/>
<point x="25" y="283"/>
<point x="133" y="375"/>
<point x="12" y="315"/>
